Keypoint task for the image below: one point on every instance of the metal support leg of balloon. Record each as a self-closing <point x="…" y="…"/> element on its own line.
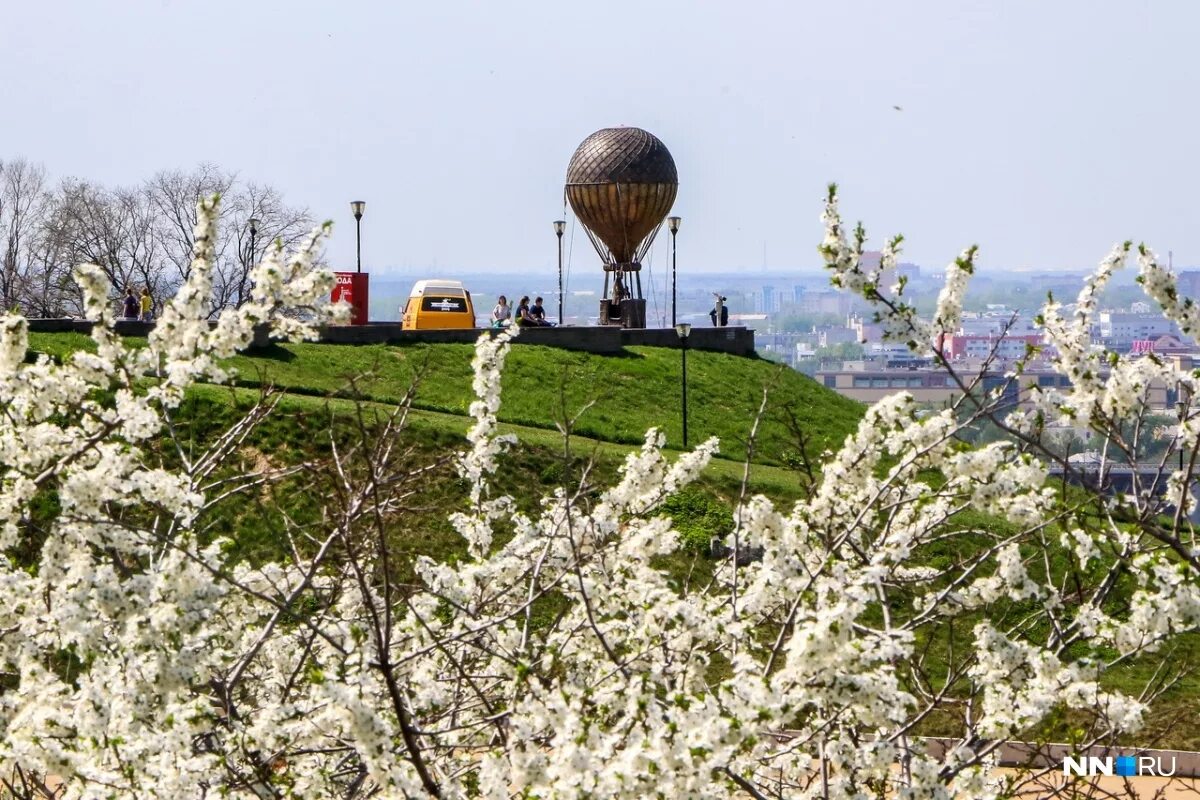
<point x="673" y="224"/>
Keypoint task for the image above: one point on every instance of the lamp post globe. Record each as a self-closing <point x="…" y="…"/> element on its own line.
<point x="254" y="223"/>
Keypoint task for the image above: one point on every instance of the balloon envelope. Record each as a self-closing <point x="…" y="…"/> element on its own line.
<point x="621" y="183"/>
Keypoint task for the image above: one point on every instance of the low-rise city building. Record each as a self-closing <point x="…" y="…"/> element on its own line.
<point x="1119" y="329"/>
<point x="1006" y="348"/>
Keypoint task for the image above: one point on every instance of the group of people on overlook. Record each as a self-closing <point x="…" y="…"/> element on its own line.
<point x="534" y="315"/>
<point x="503" y="315"/>
<point x="525" y="315"/>
<point x="138" y="308"/>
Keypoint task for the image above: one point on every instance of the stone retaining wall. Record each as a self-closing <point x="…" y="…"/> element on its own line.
<point x="602" y="340"/>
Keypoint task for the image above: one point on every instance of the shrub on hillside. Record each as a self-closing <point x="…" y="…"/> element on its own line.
<point x="698" y="518"/>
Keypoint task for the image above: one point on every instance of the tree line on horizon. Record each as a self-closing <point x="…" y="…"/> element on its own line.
<point x="140" y="235"/>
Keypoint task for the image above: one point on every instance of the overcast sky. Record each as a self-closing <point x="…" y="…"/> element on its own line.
<point x="1044" y="131"/>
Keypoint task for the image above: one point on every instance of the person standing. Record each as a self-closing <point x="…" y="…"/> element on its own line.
<point x="130" y="310"/>
<point x="720" y="313"/>
<point x="147" y="303"/>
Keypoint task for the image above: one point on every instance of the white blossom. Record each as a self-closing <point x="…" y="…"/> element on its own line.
<point x="559" y="657"/>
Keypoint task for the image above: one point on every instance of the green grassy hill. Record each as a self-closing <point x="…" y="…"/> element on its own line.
<point x="614" y="399"/>
<point x="542" y="385"/>
<point x="628" y="394"/>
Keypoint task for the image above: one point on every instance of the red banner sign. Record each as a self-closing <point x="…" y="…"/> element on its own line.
<point x="353" y="288"/>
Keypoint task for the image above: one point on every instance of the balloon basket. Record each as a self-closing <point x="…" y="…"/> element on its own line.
<point x="629" y="313"/>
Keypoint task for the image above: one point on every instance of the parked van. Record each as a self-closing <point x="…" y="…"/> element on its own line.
<point x="437" y="305"/>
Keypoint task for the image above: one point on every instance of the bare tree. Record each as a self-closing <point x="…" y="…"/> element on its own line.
<point x="50" y="290"/>
<point x="116" y="230"/>
<point x="22" y="203"/>
<point x="174" y="195"/>
<point x="276" y="221"/>
<point x="140" y="236"/>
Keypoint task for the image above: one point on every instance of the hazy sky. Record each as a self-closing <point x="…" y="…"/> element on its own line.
<point x="1044" y="131"/>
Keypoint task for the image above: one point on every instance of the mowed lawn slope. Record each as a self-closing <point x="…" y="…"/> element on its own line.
<point x="620" y="397"/>
<point x="630" y="393"/>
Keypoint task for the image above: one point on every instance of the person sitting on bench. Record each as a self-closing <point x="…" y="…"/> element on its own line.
<point x="538" y="313"/>
<point x="501" y="314"/>
<point x="523" y="317"/>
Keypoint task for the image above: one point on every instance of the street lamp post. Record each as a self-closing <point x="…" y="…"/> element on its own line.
<point x="358" y="207"/>
<point x="673" y="223"/>
<point x="560" y="225"/>
<point x="683" y="329"/>
<point x="254" y="223"/>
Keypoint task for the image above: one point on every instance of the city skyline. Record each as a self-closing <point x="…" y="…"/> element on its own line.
<point x="458" y="138"/>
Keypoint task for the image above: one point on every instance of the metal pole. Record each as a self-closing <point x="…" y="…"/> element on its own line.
<point x="683" y="356"/>
<point x="1182" y="406"/>
<point x="673" y="233"/>
<point x="560" y="283"/>
<point x="358" y="238"/>
<point x="253" y="235"/>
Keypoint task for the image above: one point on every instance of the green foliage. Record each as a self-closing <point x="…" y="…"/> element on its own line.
<point x="698" y="516"/>
<point x="842" y="351"/>
<point x="303" y="427"/>
<point x="804" y="321"/>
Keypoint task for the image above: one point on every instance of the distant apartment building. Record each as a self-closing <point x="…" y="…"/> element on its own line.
<point x="829" y="335"/>
<point x="869" y="382"/>
<point x="784" y="345"/>
<point x="1187" y="283"/>
<point x="1006" y="348"/>
<point x="767" y="300"/>
<point x="871" y="385"/>
<point x="1118" y="330"/>
<point x="827" y="302"/>
<point x="865" y="332"/>
<point x="996" y="322"/>
<point x="894" y="354"/>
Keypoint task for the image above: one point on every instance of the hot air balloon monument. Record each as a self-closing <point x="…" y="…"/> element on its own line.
<point x="621" y="183"/>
